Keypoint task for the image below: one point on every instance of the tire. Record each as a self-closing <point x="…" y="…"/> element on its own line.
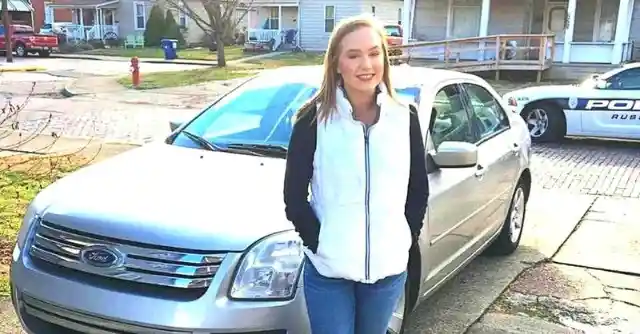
<point x="20" y="49"/>
<point x="509" y="238"/>
<point x="406" y="310"/>
<point x="546" y="122"/>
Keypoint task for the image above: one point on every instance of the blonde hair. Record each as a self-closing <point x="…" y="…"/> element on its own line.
<point x="326" y="95"/>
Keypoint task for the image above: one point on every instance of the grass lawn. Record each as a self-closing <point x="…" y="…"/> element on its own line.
<point x="231" y="53"/>
<point x="185" y="78"/>
<point x="21" y="178"/>
<point x="191" y="77"/>
<point x="289" y="59"/>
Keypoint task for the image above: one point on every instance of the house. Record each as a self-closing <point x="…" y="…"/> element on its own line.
<point x="21" y="12"/>
<point x="586" y="31"/>
<point x="43" y="13"/>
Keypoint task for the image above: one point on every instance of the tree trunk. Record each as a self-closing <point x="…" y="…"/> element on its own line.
<point x="220" y="46"/>
<point x="6" y="21"/>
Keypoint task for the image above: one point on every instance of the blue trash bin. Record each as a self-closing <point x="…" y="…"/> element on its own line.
<point x="169" y="46"/>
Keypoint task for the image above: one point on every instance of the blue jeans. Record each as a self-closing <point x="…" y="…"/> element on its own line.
<point x="338" y="306"/>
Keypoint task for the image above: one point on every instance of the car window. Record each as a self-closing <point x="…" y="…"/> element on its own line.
<point x="626" y="80"/>
<point x="449" y="118"/>
<point x="488" y="116"/>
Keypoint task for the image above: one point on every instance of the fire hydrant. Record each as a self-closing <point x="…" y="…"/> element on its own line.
<point x="135" y="72"/>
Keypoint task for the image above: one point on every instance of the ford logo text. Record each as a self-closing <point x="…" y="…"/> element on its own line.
<point x="100" y="256"/>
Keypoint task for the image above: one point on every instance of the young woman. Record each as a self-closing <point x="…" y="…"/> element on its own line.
<point x="362" y="151"/>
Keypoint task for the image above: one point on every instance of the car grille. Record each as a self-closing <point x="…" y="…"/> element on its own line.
<point x="138" y="263"/>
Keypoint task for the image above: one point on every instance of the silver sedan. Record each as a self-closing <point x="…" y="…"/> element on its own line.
<point x="189" y="235"/>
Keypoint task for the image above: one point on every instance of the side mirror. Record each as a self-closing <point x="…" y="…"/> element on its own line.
<point x="601" y="84"/>
<point x="174" y="124"/>
<point x="455" y="154"/>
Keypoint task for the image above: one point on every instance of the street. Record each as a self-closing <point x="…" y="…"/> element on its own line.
<point x="577" y="269"/>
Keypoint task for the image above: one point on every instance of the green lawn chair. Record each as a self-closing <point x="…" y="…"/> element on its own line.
<point x="140" y="40"/>
<point x="130" y="41"/>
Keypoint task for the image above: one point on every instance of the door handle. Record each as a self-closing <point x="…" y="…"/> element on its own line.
<point x="480" y="170"/>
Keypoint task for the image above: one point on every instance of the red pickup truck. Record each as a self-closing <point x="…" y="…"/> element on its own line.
<point x="394" y="37"/>
<point x="24" y="41"/>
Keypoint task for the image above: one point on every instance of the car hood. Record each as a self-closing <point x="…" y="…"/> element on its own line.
<point x="176" y="197"/>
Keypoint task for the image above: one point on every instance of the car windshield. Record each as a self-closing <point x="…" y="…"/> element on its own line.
<point x="392" y="31"/>
<point x="259" y="112"/>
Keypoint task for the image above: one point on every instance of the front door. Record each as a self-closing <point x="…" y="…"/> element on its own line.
<point x="555" y="19"/>
<point x="465" y="21"/>
<point x="612" y="110"/>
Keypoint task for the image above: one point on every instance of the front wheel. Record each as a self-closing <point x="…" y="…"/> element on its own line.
<point x="545" y="121"/>
<point x="399" y="319"/>
<point x="511" y="233"/>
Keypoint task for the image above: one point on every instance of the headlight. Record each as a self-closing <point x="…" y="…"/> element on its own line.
<point x="270" y="269"/>
<point x="29" y="218"/>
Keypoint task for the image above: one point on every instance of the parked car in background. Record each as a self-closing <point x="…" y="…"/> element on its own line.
<point x="605" y="106"/>
<point x="24" y="41"/>
<point x="394" y="38"/>
<point x="190" y="235"/>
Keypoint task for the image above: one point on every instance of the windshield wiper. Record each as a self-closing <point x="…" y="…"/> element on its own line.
<point x="271" y="149"/>
<point x="207" y="145"/>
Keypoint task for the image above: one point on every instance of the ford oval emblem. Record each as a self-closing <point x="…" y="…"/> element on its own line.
<point x="100" y="256"/>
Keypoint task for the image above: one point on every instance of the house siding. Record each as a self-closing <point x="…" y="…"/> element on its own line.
<point x="635" y="25"/>
<point x="125" y="15"/>
<point x="386" y="10"/>
<point x="312" y="34"/>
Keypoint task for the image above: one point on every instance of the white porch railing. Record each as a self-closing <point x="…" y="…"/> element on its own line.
<point x="80" y="32"/>
<point x="265" y="36"/>
<point x="103" y="31"/>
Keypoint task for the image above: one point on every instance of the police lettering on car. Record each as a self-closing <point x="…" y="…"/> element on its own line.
<point x="613" y="105"/>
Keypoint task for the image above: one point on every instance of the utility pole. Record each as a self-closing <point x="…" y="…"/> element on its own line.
<point x="6" y="21"/>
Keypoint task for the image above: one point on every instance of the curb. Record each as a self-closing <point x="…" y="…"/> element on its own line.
<point x="23" y="69"/>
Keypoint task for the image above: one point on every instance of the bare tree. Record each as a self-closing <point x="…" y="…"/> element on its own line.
<point x="6" y="21"/>
<point x="217" y="19"/>
<point x="26" y="162"/>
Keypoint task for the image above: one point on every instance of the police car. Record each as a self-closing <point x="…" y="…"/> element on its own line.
<point x="606" y="105"/>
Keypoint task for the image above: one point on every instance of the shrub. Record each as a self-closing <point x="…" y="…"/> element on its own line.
<point x="172" y="29"/>
<point x="155" y="30"/>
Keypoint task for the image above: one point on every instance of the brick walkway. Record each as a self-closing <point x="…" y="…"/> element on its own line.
<point x="591" y="167"/>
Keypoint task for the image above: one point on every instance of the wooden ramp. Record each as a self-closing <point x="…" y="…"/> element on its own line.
<point x="522" y="52"/>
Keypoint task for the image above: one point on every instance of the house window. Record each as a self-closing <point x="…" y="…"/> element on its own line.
<point x="329" y="18"/>
<point x="273" y="22"/>
<point x="182" y="17"/>
<point x="140" y="15"/>
<point x="373" y="10"/>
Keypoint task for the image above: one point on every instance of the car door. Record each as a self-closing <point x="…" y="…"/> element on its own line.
<point x="498" y="156"/>
<point x="454" y="192"/>
<point x="615" y="109"/>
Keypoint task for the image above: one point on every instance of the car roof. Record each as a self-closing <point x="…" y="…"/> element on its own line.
<point x="403" y="75"/>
